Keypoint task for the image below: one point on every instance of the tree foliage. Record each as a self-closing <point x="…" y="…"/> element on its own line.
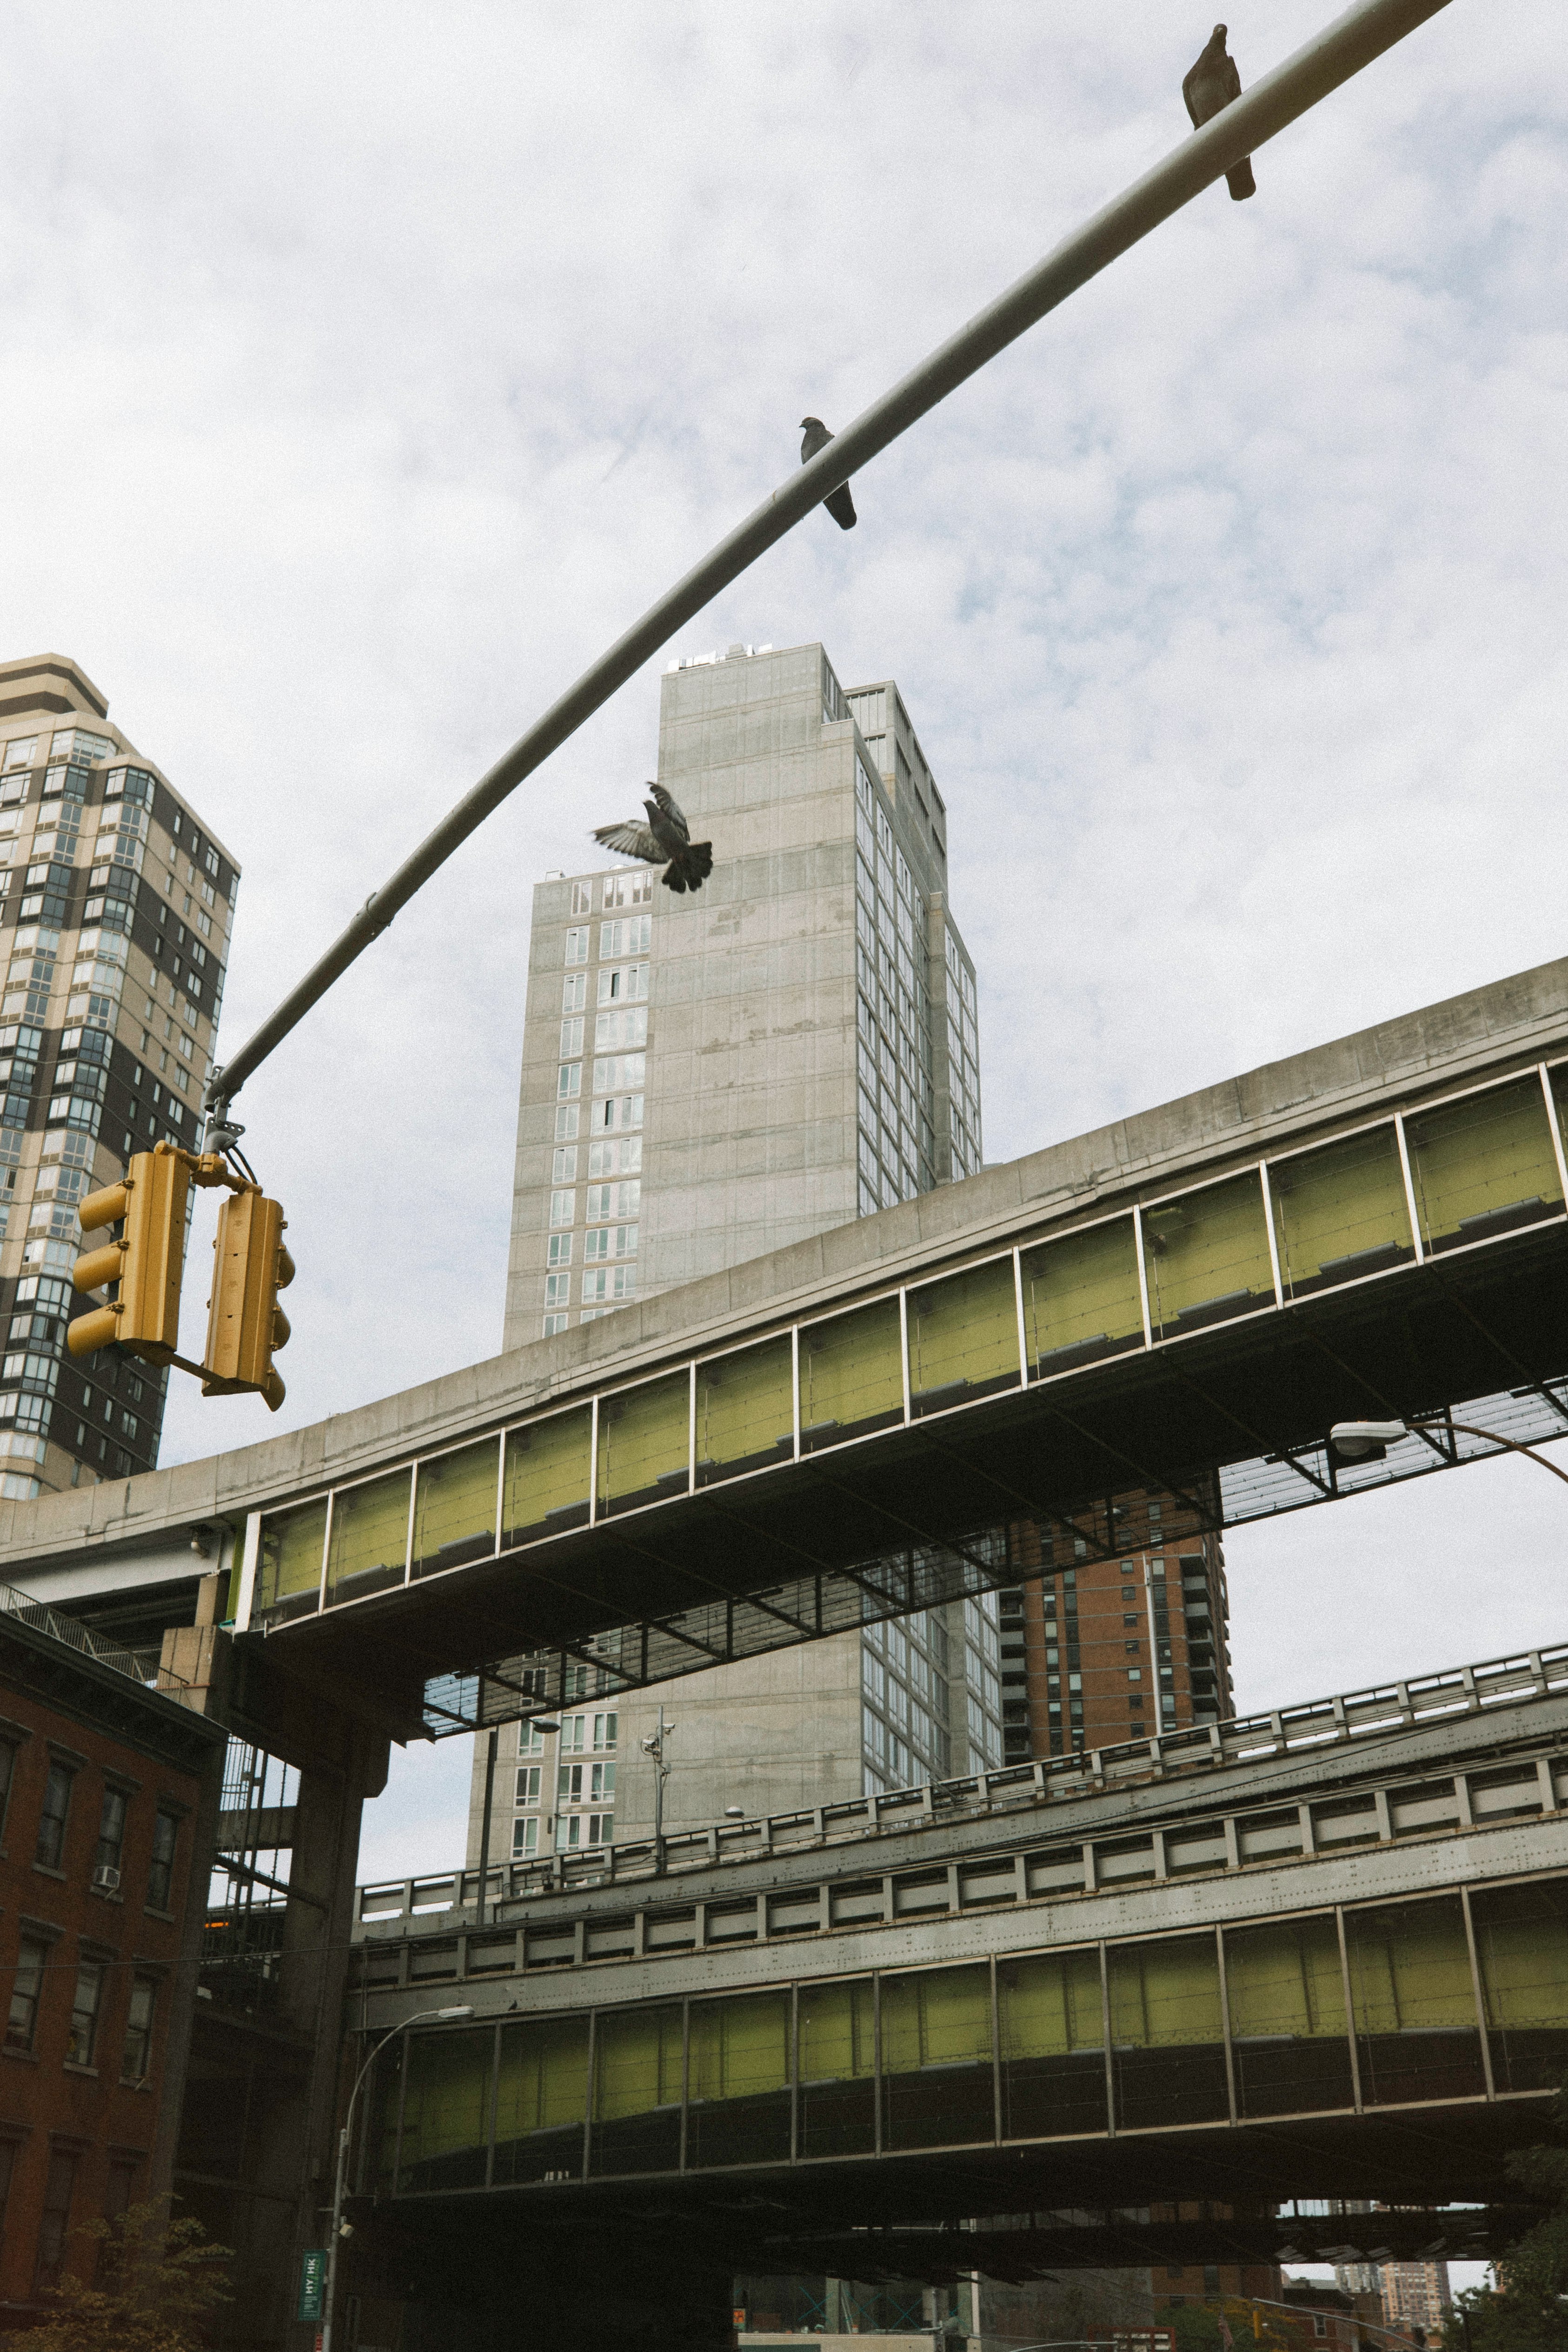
<point x="1203" y="2327"/>
<point x="156" y="2286"/>
<point x="1527" y="2311"/>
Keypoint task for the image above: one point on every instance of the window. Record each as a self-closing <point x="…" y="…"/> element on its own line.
<point x="55" y="2224"/>
<point x="613" y="1030"/>
<point x="586" y="1784"/>
<point x="557" y="1289"/>
<point x="617" y="1111"/>
<point x="562" y="1205"/>
<point x="579" y="1732"/>
<point x="160" y="1872"/>
<point x="121" y="2188"/>
<point x="582" y="897"/>
<point x="569" y="1079"/>
<point x="632" y="936"/>
<point x="627" y="890"/>
<point x="610" y="1240"/>
<point x="553" y="1323"/>
<point x="570" y="1038"/>
<point x="564" y="1168"/>
<point x="528" y="1783"/>
<point x="625" y="984"/>
<point x="525" y="1838"/>
<point x="577" y="945"/>
<point x="614" y="1199"/>
<point x="530" y="1740"/>
<point x="136" y="2059"/>
<point x="112" y="1815"/>
<point x="575" y="992"/>
<point x="51" y="1843"/>
<point x="622" y="1159"/>
<point x="84" y="2014"/>
<point x="566" y="1122"/>
<point x="576" y="1830"/>
<point x="26" y="1990"/>
<point x="561" y="1249"/>
<point x="19" y="752"/>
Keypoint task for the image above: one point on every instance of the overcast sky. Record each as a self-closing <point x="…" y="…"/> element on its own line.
<point x="365" y="370"/>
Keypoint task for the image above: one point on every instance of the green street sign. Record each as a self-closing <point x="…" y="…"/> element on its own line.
<point x="313" y="2283"/>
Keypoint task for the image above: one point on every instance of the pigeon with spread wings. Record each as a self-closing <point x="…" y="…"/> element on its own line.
<point x="665" y="840"/>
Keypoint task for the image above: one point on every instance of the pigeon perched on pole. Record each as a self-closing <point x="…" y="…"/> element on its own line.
<point x="1208" y="90"/>
<point x="838" y="502"/>
<point x="666" y="837"/>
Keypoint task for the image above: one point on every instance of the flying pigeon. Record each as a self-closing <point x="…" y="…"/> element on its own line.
<point x="1208" y="90"/>
<point x="838" y="502"/>
<point x="666" y="836"/>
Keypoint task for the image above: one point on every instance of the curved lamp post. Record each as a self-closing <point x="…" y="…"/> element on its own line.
<point x="1367" y="1440"/>
<point x="420" y="2017"/>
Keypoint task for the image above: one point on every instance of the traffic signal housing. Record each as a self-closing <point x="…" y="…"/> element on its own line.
<point x="246" y="1325"/>
<point x="149" y="1205"/>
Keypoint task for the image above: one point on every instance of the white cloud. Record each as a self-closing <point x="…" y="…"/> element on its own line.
<point x="366" y="370"/>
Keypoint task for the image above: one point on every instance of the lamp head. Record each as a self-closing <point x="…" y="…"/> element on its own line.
<point x="1365" y="1441"/>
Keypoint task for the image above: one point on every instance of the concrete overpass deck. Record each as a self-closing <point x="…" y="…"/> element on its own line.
<point x="1335" y="1969"/>
<point x="862" y="1424"/>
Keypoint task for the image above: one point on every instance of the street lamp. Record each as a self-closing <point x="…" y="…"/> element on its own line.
<point x="654" y="1746"/>
<point x="1368" y="1441"/>
<point x="420" y="2017"/>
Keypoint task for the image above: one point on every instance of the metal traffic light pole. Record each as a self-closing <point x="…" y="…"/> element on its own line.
<point x="1329" y="59"/>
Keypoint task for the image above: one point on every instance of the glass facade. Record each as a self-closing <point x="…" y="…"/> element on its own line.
<point x="1154" y="2033"/>
<point x="115" y="912"/>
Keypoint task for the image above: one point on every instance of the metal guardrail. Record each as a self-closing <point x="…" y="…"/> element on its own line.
<point x="1280" y="1731"/>
<point x="141" y="1665"/>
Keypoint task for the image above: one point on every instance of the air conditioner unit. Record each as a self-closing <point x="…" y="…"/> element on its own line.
<point x="105" y="1879"/>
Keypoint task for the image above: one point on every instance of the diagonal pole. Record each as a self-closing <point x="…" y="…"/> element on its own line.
<point x="1329" y="59"/>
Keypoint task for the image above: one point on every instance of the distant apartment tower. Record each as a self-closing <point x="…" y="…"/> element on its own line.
<point x="709" y="1077"/>
<point x="116" y="906"/>
<point x="1414" y="2295"/>
<point x="1109" y="1644"/>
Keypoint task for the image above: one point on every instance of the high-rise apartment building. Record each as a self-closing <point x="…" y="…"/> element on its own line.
<point x="116" y="906"/>
<point x="1415" y="2295"/>
<point x="1107" y="1645"/>
<point x="709" y="1078"/>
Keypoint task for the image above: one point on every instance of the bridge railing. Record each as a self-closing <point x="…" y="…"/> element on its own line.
<point x="1315" y="1723"/>
<point x="141" y="1665"/>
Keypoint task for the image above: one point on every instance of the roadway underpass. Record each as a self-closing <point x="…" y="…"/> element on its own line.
<point x="1327" y="1971"/>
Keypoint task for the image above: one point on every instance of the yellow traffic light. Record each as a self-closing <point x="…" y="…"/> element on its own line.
<point x="245" y="1323"/>
<point x="146" y="1262"/>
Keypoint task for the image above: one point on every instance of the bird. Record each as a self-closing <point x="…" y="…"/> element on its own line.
<point x="1208" y="90"/>
<point x="838" y="502"/>
<point x="665" y="837"/>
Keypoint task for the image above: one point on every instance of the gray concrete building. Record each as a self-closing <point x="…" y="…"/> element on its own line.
<point x="706" y="1078"/>
<point x="709" y="1078"/>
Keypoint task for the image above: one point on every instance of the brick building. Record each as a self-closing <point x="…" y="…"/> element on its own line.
<point x="107" y="1790"/>
<point x="1123" y="1633"/>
